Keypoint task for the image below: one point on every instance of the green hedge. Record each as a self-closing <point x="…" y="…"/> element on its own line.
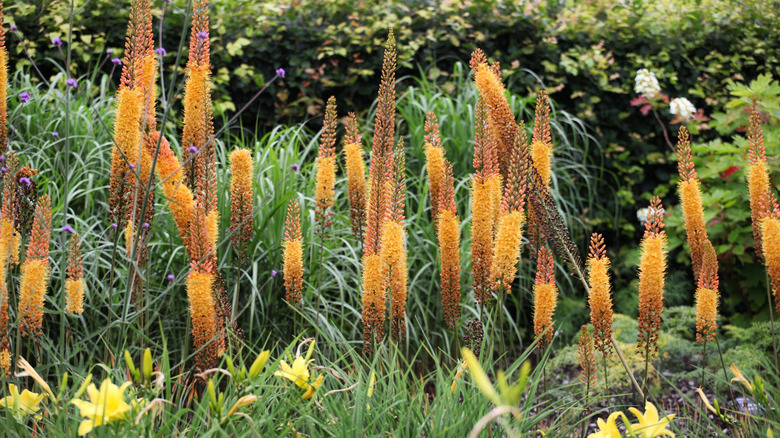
<point x="585" y="54"/>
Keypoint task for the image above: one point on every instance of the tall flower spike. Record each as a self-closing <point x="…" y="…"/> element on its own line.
<point x="707" y="297"/>
<point x="326" y="169"/>
<point x="382" y="167"/>
<point x="9" y="238"/>
<point x="758" y="179"/>
<point x="485" y="159"/>
<point x="600" y="299"/>
<point x="35" y="272"/>
<point x="541" y="143"/>
<point x="200" y="287"/>
<point x="587" y="360"/>
<point x="356" y="177"/>
<point x="198" y="124"/>
<point x="502" y="121"/>
<point x="545" y="297"/>
<point x="394" y="257"/>
<point x="770" y="233"/>
<point x="689" y="189"/>
<point x="481" y="240"/>
<point x="74" y="284"/>
<point x="449" y="251"/>
<point x="293" y="255"/>
<point x="374" y="300"/>
<point x="170" y="172"/>
<point x="3" y="86"/>
<point x="241" y="196"/>
<point x="652" y="271"/>
<point x="127" y="142"/>
<point x="435" y="162"/>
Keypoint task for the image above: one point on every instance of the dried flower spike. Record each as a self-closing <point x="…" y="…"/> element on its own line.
<point x="587" y="359"/>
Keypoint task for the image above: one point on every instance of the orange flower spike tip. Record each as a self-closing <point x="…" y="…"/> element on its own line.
<point x="356" y="176"/>
<point x="545" y="297"/>
<point x="758" y="179"/>
<point x="502" y="121"/>
<point x="541" y="143"/>
<point x="652" y="271"/>
<point x="326" y="168"/>
<point x="689" y="189"/>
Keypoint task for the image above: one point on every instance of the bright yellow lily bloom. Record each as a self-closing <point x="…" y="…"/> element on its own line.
<point x="107" y="404"/>
<point x="607" y="429"/>
<point x="299" y="374"/>
<point x="650" y="426"/>
<point x="22" y="404"/>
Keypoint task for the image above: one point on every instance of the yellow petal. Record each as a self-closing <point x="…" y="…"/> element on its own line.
<point x="85" y="427"/>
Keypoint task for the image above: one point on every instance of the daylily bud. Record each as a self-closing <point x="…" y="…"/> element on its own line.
<point x="258" y="364"/>
<point x="311" y="350"/>
<point x="133" y="371"/>
<point x="83" y="387"/>
<point x="229" y="363"/>
<point x="147" y="365"/>
<point x="243" y="401"/>
<point x="213" y="398"/>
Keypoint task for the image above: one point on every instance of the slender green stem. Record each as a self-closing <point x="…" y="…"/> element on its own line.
<point x="585" y="407"/>
<point x="606" y="373"/>
<point x="319" y="273"/>
<point x="703" y="361"/>
<point x="771" y="317"/>
<point x="647" y="363"/>
<point x="723" y="365"/>
<point x="500" y="325"/>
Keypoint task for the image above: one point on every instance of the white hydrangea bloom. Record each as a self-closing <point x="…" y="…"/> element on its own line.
<point x="641" y="214"/>
<point x="646" y="84"/>
<point x="682" y="107"/>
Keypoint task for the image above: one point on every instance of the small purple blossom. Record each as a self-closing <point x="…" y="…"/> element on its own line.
<point x="192" y="149"/>
<point x="55" y="134"/>
<point x="113" y="226"/>
<point x="203" y="34"/>
<point x="280" y="72"/>
<point x="13" y="28"/>
<point x="274" y="273"/>
<point x="132" y="166"/>
<point x="171" y="277"/>
<point x="109" y="52"/>
<point x="72" y="82"/>
<point x="25" y="180"/>
<point x="160" y="51"/>
<point x="56" y="42"/>
<point x="116" y="61"/>
<point x="168" y="1"/>
<point x="68" y="228"/>
<point x="2" y="158"/>
<point x="295" y="167"/>
<point x="147" y="225"/>
<point x="4" y="170"/>
<point x="24" y="97"/>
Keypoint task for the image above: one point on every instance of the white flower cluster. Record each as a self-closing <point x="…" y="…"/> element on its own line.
<point x="682" y="107"/>
<point x="646" y="84"/>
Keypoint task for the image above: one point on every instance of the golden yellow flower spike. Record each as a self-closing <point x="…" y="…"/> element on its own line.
<point x="75" y="285"/>
<point x="35" y="272"/>
<point x="393" y="253"/>
<point x="356" y="177"/>
<point x="293" y="255"/>
<point x="652" y="271"/>
<point x="545" y="297"/>
<point x="600" y="299"/>
<point x="241" y="198"/>
<point x="3" y="86"/>
<point x="689" y="189"/>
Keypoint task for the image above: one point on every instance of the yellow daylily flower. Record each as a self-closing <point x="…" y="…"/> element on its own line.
<point x="650" y="426"/>
<point x="22" y="404"/>
<point x="299" y="374"/>
<point x="106" y="405"/>
<point x="738" y="377"/>
<point x="607" y="429"/>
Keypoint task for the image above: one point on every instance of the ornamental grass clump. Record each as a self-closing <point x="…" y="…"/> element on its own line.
<point x="35" y="272"/>
<point x="293" y="255"/>
<point x="356" y="177"/>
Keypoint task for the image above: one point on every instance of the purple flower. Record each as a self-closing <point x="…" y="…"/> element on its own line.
<point x="24" y="97"/>
<point x="109" y="52"/>
<point x="160" y="51"/>
<point x="68" y="228"/>
<point x="280" y="72"/>
<point x="116" y="61"/>
<point x="168" y="1"/>
<point x="146" y="225"/>
<point x="13" y="28"/>
<point x="56" y="42"/>
<point x="192" y="149"/>
<point x="55" y="134"/>
<point x="72" y="82"/>
<point x="273" y="273"/>
<point x="4" y="170"/>
<point x="132" y="166"/>
<point x="171" y="277"/>
<point x="25" y="180"/>
<point x="113" y="226"/>
<point x="295" y="167"/>
<point x="203" y="34"/>
<point x="2" y="158"/>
